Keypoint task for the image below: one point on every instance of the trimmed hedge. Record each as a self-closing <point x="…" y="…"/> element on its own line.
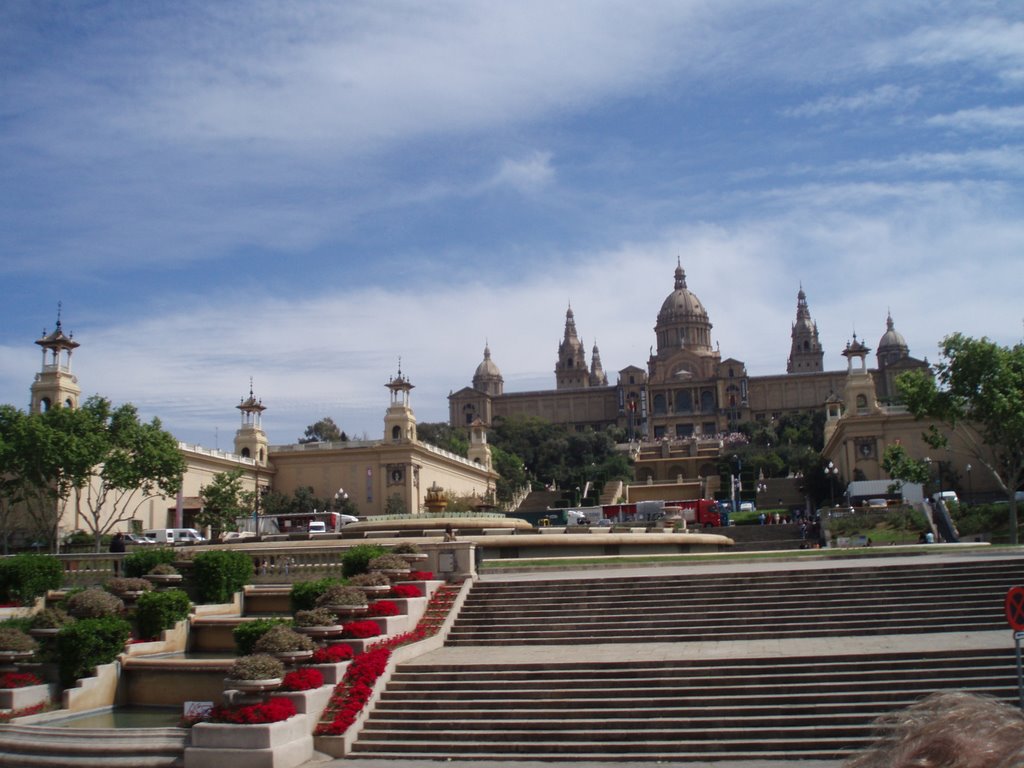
<point x="304" y="593"/>
<point x="247" y="633"/>
<point x="86" y="643"/>
<point x="138" y="563"/>
<point x="357" y="559"/>
<point x="23" y="578"/>
<point x="218" y="574"/>
<point x="157" y="611"/>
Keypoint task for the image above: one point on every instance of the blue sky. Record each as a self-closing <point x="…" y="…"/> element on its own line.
<point x="303" y="193"/>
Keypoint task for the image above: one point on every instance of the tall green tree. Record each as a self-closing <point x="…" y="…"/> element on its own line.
<point x="131" y="462"/>
<point x="223" y="501"/>
<point x="323" y="431"/>
<point x="978" y="393"/>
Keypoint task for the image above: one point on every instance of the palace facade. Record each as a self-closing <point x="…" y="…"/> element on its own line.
<point x="687" y="389"/>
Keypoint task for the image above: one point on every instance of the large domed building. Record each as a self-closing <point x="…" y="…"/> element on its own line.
<point x="687" y="389"/>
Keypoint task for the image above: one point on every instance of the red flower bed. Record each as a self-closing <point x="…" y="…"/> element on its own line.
<point x="302" y="680"/>
<point x="356" y="688"/>
<point x="421" y="576"/>
<point x="406" y="590"/>
<point x="354" y="691"/>
<point x="332" y="654"/>
<point x="361" y="630"/>
<point x="18" y="680"/>
<point x="383" y="608"/>
<point x="273" y="711"/>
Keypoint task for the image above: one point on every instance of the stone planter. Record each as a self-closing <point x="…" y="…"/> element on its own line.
<point x="320" y="634"/>
<point x="350" y="611"/>
<point x="9" y="660"/>
<point x="333" y="673"/>
<point x="22" y="698"/>
<point x="44" y="633"/>
<point x="252" y="686"/>
<point x="286" y="744"/>
<point x="164" y="580"/>
<point x="292" y="657"/>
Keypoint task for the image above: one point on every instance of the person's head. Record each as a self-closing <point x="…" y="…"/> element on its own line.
<point x="949" y="729"/>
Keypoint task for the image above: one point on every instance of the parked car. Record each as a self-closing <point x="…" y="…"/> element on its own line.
<point x="138" y="538"/>
<point x="317" y="526"/>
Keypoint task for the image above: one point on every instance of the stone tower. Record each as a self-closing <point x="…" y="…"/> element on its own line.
<point x="479" y="450"/>
<point x="55" y="385"/>
<point x="571" y="369"/>
<point x="806" y="354"/>
<point x="597" y="374"/>
<point x="400" y="421"/>
<point x="250" y="439"/>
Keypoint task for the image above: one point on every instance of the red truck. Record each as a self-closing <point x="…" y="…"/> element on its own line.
<point x="702" y="512"/>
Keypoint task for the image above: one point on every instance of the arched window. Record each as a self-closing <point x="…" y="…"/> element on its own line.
<point x="245" y="453"/>
<point x="396" y="434"/>
<point x="660" y="406"/>
<point x="684" y="402"/>
<point x="862" y="404"/>
<point x="44" y="404"/>
<point x="707" y="401"/>
<point x="261" y="456"/>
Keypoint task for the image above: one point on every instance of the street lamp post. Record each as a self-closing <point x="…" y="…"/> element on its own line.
<point x="970" y="486"/>
<point x="832" y="472"/>
<point x="339" y="501"/>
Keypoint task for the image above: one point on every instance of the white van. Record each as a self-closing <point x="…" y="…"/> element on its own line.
<point x="317" y="526"/>
<point x="175" y="536"/>
<point x="946" y="497"/>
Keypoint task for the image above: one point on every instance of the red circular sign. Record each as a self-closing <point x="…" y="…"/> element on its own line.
<point x="1015" y="608"/>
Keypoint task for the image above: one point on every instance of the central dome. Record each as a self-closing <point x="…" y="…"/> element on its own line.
<point x="682" y="302"/>
<point x="683" y="322"/>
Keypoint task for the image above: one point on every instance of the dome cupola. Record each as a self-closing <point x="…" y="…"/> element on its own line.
<point x="683" y="321"/>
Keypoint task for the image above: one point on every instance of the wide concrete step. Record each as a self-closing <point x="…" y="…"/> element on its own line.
<point x="674" y="710"/>
<point x="30" y="745"/>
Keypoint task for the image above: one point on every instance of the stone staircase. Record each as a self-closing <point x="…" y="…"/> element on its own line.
<point x="819" y="603"/>
<point x="813" y="699"/>
<point x="763" y="538"/>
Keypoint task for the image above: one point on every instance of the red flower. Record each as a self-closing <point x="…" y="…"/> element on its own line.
<point x="18" y="680"/>
<point x="421" y="576"/>
<point x="332" y="654"/>
<point x="361" y="630"/>
<point x="406" y="590"/>
<point x="383" y="608"/>
<point x="273" y="711"/>
<point x="303" y="680"/>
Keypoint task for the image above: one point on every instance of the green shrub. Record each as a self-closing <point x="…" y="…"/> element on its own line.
<point x="157" y="611"/>
<point x="23" y="578"/>
<point x="982" y="518"/>
<point x="388" y="562"/>
<point x="86" y="643"/>
<point x="256" y="667"/>
<point x="94" y="603"/>
<point x="281" y="639"/>
<point x="305" y="593"/>
<point x="138" y="563"/>
<point x="219" y="574"/>
<point x="357" y="559"/>
<point x="16" y="640"/>
<point x="248" y="632"/>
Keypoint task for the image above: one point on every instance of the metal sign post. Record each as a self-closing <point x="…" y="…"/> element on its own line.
<point x="1015" y="618"/>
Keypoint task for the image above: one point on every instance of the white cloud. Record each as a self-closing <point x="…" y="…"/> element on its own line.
<point x="882" y="97"/>
<point x="526" y="174"/>
<point x="982" y="119"/>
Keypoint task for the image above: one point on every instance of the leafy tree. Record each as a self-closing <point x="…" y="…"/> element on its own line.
<point x="978" y="392"/>
<point x="394" y="505"/>
<point x="323" y="431"/>
<point x="903" y="469"/>
<point x="223" y="501"/>
<point x="129" y="462"/>
<point x="445" y="436"/>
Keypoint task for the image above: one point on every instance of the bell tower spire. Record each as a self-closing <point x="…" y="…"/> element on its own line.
<point x="55" y="385"/>
<point x="250" y="440"/>
<point x="806" y="354"/>
<point x="571" y="369"/>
